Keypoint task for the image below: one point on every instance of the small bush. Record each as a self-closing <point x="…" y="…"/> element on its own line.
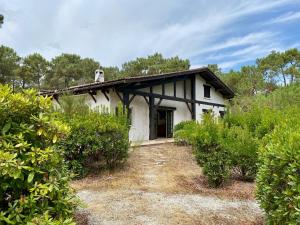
<point x="185" y="132"/>
<point x="34" y="181"/>
<point x="209" y="152"/>
<point x="216" y="167"/>
<point x="182" y="124"/>
<point x="278" y="179"/>
<point x="96" y="140"/>
<point x="242" y="147"/>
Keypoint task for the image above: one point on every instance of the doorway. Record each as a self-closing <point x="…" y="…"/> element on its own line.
<point x="164" y="123"/>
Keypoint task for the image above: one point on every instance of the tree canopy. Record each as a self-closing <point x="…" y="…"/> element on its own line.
<point x="268" y="73"/>
<point x="1" y="19"/>
<point x="9" y="64"/>
<point x="153" y="64"/>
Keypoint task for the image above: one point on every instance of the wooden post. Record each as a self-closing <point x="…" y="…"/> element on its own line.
<point x="152" y="119"/>
<point x="193" y="96"/>
<point x="174" y="88"/>
<point x="125" y="102"/>
<point x="184" y="89"/>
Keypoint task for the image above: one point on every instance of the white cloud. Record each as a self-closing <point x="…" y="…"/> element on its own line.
<point x="287" y="17"/>
<point x="116" y="31"/>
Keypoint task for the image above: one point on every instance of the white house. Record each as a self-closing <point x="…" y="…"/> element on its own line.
<point x="157" y="103"/>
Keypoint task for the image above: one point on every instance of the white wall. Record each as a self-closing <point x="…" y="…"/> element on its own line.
<point x="101" y="102"/>
<point x="215" y="97"/>
<point x="139" y="129"/>
<point x="182" y="112"/>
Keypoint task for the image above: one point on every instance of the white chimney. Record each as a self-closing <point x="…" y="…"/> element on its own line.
<point x="99" y="75"/>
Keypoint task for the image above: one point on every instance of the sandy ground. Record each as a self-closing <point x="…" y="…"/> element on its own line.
<point x="162" y="184"/>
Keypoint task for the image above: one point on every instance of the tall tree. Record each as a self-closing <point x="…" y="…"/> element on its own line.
<point x="281" y="67"/>
<point x="153" y="64"/>
<point x="64" y="71"/>
<point x="33" y="70"/>
<point x="292" y="64"/>
<point x="1" y="20"/>
<point x="251" y="81"/>
<point x="232" y="79"/>
<point x="69" y="69"/>
<point x="9" y="63"/>
<point x="215" y="69"/>
<point x="111" y="73"/>
<point x="88" y="67"/>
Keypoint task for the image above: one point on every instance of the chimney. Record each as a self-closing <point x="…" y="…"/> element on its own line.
<point x="99" y="76"/>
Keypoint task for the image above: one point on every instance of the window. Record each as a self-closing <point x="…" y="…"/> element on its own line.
<point x="206" y="110"/>
<point x="206" y="91"/>
<point x="222" y="113"/>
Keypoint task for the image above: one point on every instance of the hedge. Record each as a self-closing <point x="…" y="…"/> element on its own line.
<point x="278" y="179"/>
<point x="34" y="182"/>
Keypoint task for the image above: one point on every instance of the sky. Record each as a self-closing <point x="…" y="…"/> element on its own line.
<point x="230" y="33"/>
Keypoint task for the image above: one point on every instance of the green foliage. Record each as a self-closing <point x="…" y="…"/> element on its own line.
<point x="182" y="124"/>
<point x="9" y="63"/>
<point x="33" y="69"/>
<point x="1" y="20"/>
<point x="281" y="66"/>
<point x="33" y="178"/>
<point x="97" y="140"/>
<point x="183" y="132"/>
<point x="246" y="82"/>
<point x="206" y="139"/>
<point x="71" y="106"/>
<point x="278" y="178"/>
<point x="242" y="146"/>
<point x="214" y="159"/>
<point x="70" y="69"/>
<point x="153" y="64"/>
<point x="216" y="166"/>
<point x="111" y="73"/>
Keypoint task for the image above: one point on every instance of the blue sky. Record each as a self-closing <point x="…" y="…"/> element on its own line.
<point x="230" y="33"/>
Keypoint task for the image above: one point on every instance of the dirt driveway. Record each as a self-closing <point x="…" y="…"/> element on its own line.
<point x="162" y="184"/>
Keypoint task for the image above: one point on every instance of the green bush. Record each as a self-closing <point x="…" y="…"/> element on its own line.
<point x="278" y="179"/>
<point x="185" y="132"/>
<point x="34" y="180"/>
<point x="96" y="140"/>
<point x="242" y="147"/>
<point x="182" y="124"/>
<point x="216" y="166"/>
<point x="209" y="152"/>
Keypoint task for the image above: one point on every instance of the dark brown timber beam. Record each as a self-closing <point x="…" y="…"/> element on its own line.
<point x="167" y="97"/>
<point x="193" y="96"/>
<point x="92" y="95"/>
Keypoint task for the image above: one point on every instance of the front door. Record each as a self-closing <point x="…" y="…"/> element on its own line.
<point x="164" y="123"/>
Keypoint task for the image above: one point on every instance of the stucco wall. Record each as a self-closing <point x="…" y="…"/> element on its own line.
<point x="139" y="129"/>
<point x="101" y="102"/>
<point x="182" y="112"/>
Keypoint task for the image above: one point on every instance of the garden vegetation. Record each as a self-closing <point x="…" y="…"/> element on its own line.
<point x="34" y="179"/>
<point x="97" y="139"/>
<point x="40" y="149"/>
<point x="259" y="139"/>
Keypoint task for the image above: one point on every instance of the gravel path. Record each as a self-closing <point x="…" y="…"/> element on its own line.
<point x="162" y="185"/>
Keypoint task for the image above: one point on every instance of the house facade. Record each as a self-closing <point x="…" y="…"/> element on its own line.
<point x="157" y="103"/>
